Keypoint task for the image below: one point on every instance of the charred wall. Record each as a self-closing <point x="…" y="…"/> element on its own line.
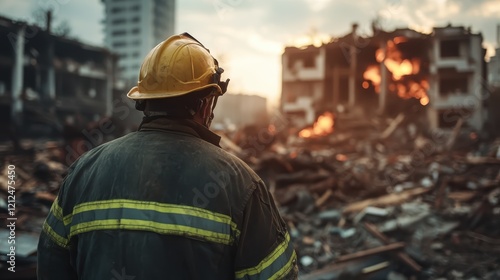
<point x="45" y="78"/>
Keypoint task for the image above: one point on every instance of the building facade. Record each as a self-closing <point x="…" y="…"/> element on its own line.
<point x="46" y="78"/>
<point x="458" y="78"/>
<point x="494" y="64"/>
<point x="133" y="27"/>
<point x="494" y="69"/>
<point x="303" y="80"/>
<point x="436" y="78"/>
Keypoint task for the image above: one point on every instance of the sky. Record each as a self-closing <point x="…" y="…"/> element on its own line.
<point x="249" y="36"/>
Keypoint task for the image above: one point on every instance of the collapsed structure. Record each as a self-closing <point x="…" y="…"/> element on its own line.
<point x="438" y="76"/>
<point x="44" y="78"/>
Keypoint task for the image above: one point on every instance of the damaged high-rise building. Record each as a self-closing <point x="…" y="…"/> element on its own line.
<point x="438" y="77"/>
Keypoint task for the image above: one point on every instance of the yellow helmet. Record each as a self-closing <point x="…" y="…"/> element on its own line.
<point x="177" y="66"/>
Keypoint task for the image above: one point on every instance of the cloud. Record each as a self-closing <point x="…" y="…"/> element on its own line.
<point x="487" y="9"/>
<point x="317" y="5"/>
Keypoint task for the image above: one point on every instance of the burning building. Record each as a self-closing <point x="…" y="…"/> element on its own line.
<point x="432" y="76"/>
<point x="302" y="82"/>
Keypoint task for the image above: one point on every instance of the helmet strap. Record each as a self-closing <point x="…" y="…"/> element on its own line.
<point x="207" y="119"/>
<point x="140" y="105"/>
<point x="214" y="103"/>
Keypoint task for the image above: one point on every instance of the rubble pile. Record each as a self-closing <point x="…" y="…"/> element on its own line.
<point x="374" y="199"/>
<point x="38" y="173"/>
<point x="390" y="202"/>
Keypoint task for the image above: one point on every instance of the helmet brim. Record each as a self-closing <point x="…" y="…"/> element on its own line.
<point x="136" y="94"/>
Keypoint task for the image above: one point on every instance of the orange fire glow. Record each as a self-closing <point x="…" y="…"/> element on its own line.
<point x="400" y="39"/>
<point x="399" y="68"/>
<point x="323" y="126"/>
<point x="341" y="157"/>
<point x="372" y="73"/>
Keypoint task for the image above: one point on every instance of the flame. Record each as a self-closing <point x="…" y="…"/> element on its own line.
<point x="341" y="157"/>
<point x="415" y="63"/>
<point x="372" y="73"/>
<point x="323" y="126"/>
<point x="424" y="100"/>
<point x="399" y="39"/>
<point x="399" y="68"/>
<point x="379" y="55"/>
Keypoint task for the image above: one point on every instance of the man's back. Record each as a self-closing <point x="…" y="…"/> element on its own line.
<point x="162" y="203"/>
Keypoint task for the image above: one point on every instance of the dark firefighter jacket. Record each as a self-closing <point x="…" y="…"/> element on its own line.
<point x="164" y="202"/>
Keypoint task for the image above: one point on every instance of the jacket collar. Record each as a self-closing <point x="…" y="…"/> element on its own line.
<point x="187" y="126"/>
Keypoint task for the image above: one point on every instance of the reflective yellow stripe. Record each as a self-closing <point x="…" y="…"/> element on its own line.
<point x="267" y="261"/>
<point x="139" y="215"/>
<point x="286" y="269"/>
<point x="128" y="214"/>
<point x="55" y="221"/>
<point x="154" y="206"/>
<point x="160" y="228"/>
<point x="56" y="210"/>
<point x="59" y="240"/>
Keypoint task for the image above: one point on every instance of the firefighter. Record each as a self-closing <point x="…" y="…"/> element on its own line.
<point x="166" y="202"/>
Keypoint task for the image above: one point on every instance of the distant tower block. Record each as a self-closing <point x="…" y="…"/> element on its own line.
<point x="134" y="27"/>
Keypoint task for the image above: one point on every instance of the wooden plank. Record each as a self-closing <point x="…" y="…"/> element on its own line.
<point x="372" y="251"/>
<point x="386" y="200"/>
<point x="392" y="126"/>
<point x="454" y="134"/>
<point x="405" y="258"/>
<point x="462" y="196"/>
<point x="320" y="201"/>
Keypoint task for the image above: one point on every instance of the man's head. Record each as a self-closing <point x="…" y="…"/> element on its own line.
<point x="179" y="78"/>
